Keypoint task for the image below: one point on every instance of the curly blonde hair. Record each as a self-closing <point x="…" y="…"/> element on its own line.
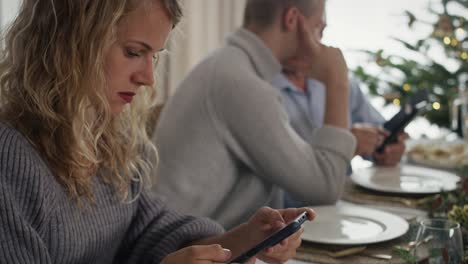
<point x="52" y="89"/>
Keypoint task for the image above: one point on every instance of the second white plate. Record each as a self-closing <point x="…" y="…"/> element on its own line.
<point x="405" y="179"/>
<point x="345" y="224"/>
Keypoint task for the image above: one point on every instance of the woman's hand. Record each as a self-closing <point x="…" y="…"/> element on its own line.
<point x="198" y="255"/>
<point x="266" y="221"/>
<point x="243" y="237"/>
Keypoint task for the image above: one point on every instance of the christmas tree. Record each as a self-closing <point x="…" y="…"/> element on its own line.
<point x="400" y="77"/>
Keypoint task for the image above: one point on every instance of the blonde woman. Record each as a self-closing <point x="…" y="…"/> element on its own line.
<point x="76" y="81"/>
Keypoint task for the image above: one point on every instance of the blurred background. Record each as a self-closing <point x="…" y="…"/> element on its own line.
<point x="395" y="47"/>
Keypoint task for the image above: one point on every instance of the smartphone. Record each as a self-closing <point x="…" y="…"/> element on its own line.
<point x="397" y="124"/>
<point x="407" y="113"/>
<point x="273" y="239"/>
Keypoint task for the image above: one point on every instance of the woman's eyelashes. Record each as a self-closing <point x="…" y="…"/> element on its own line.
<point x="132" y="53"/>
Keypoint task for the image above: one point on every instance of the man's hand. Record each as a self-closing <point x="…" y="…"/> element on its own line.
<point x="321" y="62"/>
<point x="308" y="47"/>
<point x="392" y="153"/>
<point x="326" y="64"/>
<point x="368" y="138"/>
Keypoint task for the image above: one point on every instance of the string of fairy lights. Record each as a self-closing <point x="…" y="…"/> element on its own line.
<point x="445" y="49"/>
<point x="450" y="37"/>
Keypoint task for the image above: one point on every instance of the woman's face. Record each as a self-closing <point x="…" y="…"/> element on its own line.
<point x="129" y="61"/>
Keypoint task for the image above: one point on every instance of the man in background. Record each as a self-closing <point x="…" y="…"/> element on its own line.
<point x="304" y="100"/>
<point x="225" y="142"/>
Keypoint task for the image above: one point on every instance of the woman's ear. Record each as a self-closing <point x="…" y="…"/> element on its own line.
<point x="290" y="19"/>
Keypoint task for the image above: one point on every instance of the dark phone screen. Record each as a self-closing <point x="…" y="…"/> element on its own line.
<point x="273" y="239"/>
<point x="397" y="124"/>
<point x="401" y="119"/>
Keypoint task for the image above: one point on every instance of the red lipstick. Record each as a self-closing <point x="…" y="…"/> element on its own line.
<point x="127" y="96"/>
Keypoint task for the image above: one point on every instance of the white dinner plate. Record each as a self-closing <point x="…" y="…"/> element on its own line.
<point x="345" y="224"/>
<point x="406" y="179"/>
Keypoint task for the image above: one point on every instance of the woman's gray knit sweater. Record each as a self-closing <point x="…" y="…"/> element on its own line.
<point x="40" y="224"/>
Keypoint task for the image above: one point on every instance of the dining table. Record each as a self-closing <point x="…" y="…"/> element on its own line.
<point x="374" y="253"/>
<point x="412" y="208"/>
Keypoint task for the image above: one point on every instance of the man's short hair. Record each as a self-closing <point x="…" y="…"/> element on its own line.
<point x="263" y="13"/>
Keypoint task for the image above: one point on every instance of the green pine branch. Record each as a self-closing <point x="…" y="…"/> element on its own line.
<point x="433" y="76"/>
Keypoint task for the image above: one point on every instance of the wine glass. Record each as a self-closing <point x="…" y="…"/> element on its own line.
<point x="439" y="241"/>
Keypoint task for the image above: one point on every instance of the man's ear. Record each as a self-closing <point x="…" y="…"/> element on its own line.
<point x="290" y="19"/>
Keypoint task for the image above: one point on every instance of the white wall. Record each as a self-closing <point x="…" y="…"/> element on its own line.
<point x="8" y="10"/>
<point x="352" y="25"/>
<point x="370" y="24"/>
<point x="203" y="29"/>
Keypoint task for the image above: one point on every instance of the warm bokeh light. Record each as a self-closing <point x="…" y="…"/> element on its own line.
<point x="396" y="101"/>
<point x="464" y="55"/>
<point x="447" y="40"/>
<point x="436" y="105"/>
<point x="406" y="87"/>
<point x="460" y="31"/>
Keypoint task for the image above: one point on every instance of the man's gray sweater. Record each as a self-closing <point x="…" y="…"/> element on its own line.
<point x="226" y="145"/>
<point x="40" y="224"/>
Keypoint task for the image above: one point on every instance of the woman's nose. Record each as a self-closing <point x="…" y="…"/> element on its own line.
<point x="145" y="75"/>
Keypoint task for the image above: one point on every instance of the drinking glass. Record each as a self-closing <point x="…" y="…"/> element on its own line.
<point x="439" y="241"/>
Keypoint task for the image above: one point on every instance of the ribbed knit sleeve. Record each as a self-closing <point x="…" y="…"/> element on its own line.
<point x="157" y="231"/>
<point x="40" y="224"/>
<point x="21" y="202"/>
<point x="262" y="138"/>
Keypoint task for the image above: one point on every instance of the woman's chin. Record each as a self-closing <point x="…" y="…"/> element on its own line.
<point x="117" y="110"/>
